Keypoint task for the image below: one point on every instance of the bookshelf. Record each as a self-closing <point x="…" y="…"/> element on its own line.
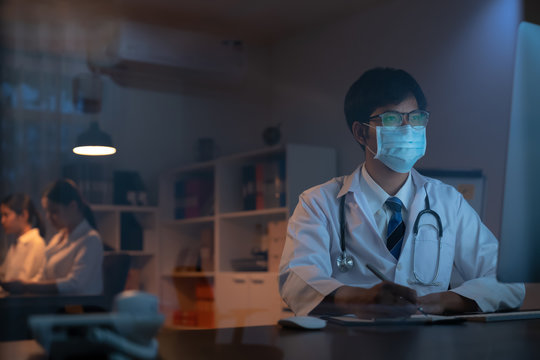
<point x="221" y="240"/>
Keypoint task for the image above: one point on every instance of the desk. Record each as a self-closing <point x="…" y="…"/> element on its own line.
<point x="503" y="340"/>
<point x="14" y="310"/>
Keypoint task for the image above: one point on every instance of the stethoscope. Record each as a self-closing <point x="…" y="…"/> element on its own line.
<point x="345" y="261"/>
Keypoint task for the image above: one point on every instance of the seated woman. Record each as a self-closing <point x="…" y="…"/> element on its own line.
<point x="26" y="255"/>
<point x="74" y="255"/>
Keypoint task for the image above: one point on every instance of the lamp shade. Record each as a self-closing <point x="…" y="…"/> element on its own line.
<point x="94" y="142"/>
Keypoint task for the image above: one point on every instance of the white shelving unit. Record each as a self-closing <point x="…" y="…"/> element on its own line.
<point x="239" y="297"/>
<point x="143" y="274"/>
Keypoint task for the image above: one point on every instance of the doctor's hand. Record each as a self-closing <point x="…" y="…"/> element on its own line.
<point x="385" y="299"/>
<point x="446" y="302"/>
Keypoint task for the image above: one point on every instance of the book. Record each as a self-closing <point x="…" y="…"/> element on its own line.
<point x="248" y="187"/>
<point x="272" y="184"/>
<point x="194" y="197"/>
<point x="179" y="197"/>
<point x="259" y="186"/>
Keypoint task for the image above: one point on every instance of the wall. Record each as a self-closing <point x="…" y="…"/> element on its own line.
<point x="152" y="130"/>
<point x="155" y="131"/>
<point x="461" y="52"/>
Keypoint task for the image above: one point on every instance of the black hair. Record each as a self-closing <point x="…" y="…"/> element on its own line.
<point x="63" y="192"/>
<point x="380" y="87"/>
<point x="20" y="202"/>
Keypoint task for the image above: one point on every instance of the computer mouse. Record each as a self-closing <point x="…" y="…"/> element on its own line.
<point x="303" y="322"/>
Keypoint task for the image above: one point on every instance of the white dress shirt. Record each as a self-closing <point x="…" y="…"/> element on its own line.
<point x="25" y="258"/>
<point x="75" y="261"/>
<point x="468" y="250"/>
<point x="376" y="197"/>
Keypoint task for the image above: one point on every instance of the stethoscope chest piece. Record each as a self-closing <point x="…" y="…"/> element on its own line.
<point x="344" y="262"/>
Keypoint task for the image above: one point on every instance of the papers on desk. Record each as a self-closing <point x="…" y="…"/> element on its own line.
<point x="351" y="320"/>
<point x="502" y="316"/>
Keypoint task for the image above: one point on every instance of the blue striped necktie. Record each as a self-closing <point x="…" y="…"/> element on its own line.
<point x="396" y="227"/>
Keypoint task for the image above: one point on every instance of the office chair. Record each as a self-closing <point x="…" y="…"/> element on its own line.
<point x="115" y="271"/>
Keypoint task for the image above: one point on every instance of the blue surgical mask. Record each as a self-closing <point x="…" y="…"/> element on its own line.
<point x="400" y="147"/>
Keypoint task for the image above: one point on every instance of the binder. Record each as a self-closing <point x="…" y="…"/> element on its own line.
<point x="248" y="187"/>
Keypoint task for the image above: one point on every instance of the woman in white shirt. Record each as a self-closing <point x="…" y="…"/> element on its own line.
<point x="26" y="255"/>
<point x="74" y="255"/>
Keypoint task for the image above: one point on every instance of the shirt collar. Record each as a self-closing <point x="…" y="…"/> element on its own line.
<point x="80" y="230"/>
<point x="350" y="182"/>
<point x="374" y="194"/>
<point x="29" y="235"/>
<point x="406" y="193"/>
<point x="361" y="181"/>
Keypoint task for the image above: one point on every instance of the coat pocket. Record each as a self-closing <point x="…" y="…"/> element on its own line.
<point x="433" y="257"/>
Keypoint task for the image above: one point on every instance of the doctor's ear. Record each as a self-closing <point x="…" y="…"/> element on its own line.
<point x="358" y="132"/>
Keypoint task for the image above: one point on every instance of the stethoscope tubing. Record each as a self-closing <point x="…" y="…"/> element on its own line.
<point x="346" y="263"/>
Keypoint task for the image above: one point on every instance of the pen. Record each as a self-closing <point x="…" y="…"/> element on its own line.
<point x="380" y="275"/>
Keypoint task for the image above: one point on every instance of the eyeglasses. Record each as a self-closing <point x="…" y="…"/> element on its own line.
<point x="417" y="118"/>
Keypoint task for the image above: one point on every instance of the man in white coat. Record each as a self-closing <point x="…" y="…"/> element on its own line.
<point x="446" y="263"/>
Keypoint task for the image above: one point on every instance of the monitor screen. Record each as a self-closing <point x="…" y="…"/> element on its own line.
<point x="519" y="252"/>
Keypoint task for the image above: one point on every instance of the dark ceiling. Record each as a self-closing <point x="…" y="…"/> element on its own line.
<point x="248" y="20"/>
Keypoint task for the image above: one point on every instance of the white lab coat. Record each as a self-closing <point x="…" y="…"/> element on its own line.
<point x="308" y="270"/>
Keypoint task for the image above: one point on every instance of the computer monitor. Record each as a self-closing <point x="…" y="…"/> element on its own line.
<point x="519" y="252"/>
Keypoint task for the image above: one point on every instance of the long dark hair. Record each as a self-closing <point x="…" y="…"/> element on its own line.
<point x="20" y="202"/>
<point x="63" y="192"/>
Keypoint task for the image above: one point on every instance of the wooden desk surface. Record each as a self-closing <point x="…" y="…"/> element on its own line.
<point x="502" y="340"/>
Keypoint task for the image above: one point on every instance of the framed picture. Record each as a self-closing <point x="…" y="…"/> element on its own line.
<point x="470" y="183"/>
